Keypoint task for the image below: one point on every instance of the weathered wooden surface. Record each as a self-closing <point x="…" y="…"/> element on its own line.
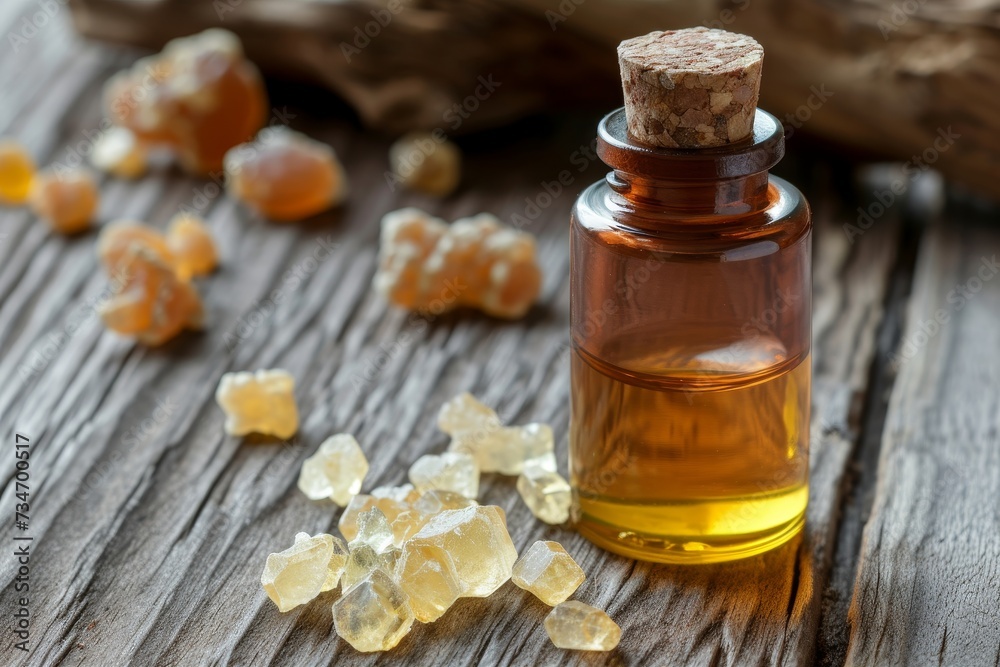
<point x="928" y="581"/>
<point x="151" y="526"/>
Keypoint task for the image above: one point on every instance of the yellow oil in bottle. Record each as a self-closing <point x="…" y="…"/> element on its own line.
<point x="690" y="455"/>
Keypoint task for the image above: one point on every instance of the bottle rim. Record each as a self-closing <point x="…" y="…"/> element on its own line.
<point x="758" y="152"/>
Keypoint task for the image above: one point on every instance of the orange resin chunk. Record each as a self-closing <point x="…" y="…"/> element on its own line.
<point x="66" y="198"/>
<point x="16" y="171"/>
<point x="187" y="247"/>
<point x="192" y="246"/>
<point x="151" y="302"/>
<point x="199" y="96"/>
<point x="285" y="175"/>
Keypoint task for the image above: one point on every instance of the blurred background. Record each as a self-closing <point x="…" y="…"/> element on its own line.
<point x="910" y="81"/>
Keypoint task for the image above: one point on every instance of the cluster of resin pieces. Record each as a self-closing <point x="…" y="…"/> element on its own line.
<point x="527" y="451"/>
<point x="410" y="552"/>
<point x="152" y="297"/>
<point x="432" y="267"/>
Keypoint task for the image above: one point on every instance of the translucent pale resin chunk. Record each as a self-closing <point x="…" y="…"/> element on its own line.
<point x="549" y="572"/>
<point x="119" y="152"/>
<point x="452" y="471"/>
<point x="192" y="246"/>
<point x="338" y="561"/>
<point x="464" y="414"/>
<point x="427" y="575"/>
<point x="404" y="493"/>
<point x="373" y="530"/>
<point x="426" y="162"/>
<point x="335" y="471"/>
<point x="477" y="430"/>
<point x="259" y="402"/>
<point x="374" y="615"/>
<point x="476" y="540"/>
<point x="364" y="560"/>
<point x="436" y="501"/>
<point x="578" y="626"/>
<point x="546" y="494"/>
<point x="406" y="525"/>
<point x="509" y="449"/>
<point x="301" y="572"/>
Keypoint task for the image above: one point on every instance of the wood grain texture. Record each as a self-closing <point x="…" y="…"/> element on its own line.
<point x="928" y="579"/>
<point x="151" y="526"/>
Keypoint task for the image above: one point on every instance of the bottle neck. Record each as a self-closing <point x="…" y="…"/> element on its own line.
<point x="710" y="186"/>
<point x="706" y="199"/>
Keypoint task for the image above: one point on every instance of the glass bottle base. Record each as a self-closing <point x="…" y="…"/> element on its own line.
<point x="707" y="531"/>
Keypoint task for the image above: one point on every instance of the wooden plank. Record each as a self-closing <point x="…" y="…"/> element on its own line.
<point x="151" y="527"/>
<point x="928" y="579"/>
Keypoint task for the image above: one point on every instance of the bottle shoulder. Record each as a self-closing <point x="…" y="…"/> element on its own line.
<point x="783" y="222"/>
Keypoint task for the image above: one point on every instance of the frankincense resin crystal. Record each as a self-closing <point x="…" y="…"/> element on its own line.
<point x="452" y="471"/>
<point x="200" y="96"/>
<point x="335" y="471"/>
<point x="578" y="626"/>
<point x="192" y="246"/>
<point x="16" y="171"/>
<point x="546" y="570"/>
<point x="304" y="570"/>
<point x="427" y="162"/>
<point x="476" y="429"/>
<point x="66" y="198"/>
<point x="119" y="152"/>
<point x="187" y="247"/>
<point x="547" y="494"/>
<point x="150" y="302"/>
<point x="427" y="575"/>
<point x="429" y="266"/>
<point x="374" y="615"/>
<point x="285" y="175"/>
<point x="477" y="542"/>
<point x="261" y="402"/>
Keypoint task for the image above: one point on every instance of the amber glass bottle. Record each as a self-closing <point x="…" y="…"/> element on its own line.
<point x="690" y="310"/>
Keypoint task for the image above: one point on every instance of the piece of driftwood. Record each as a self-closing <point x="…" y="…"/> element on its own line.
<point x="905" y="81"/>
<point x="150" y="526"/>
<point x="928" y="580"/>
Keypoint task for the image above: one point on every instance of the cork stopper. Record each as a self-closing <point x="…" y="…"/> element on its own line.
<point x="693" y="88"/>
